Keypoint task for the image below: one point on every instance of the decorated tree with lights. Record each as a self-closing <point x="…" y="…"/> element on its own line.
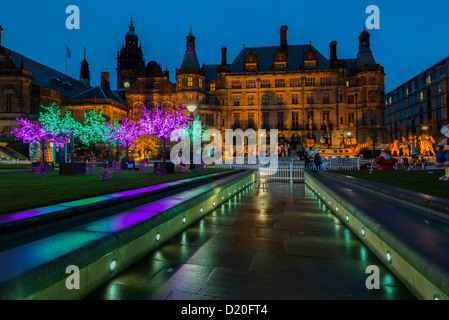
<point x="30" y="132"/>
<point x="65" y="125"/>
<point x="124" y="133"/>
<point x="97" y="129"/>
<point x="162" y="124"/>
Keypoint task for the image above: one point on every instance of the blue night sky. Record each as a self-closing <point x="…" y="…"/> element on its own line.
<point x="413" y="34"/>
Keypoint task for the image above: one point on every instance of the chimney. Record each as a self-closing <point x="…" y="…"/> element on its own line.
<point x="105" y="80"/>
<point x="283" y="33"/>
<point x="333" y="51"/>
<point x="223" y="55"/>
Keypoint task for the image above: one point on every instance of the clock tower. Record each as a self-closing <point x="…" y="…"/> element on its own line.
<point x="130" y="61"/>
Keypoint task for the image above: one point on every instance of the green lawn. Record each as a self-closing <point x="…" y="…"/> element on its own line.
<point x="420" y="180"/>
<point x="20" y="190"/>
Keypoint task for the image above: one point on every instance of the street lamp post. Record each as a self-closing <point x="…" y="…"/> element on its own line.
<point x="356" y="121"/>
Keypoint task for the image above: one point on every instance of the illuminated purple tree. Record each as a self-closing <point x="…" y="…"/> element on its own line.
<point x="162" y="123"/>
<point x="124" y="133"/>
<point x="30" y="132"/>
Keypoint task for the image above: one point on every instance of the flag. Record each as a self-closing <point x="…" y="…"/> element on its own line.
<point x="67" y="50"/>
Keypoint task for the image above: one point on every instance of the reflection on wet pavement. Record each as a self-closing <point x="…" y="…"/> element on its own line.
<point x="273" y="241"/>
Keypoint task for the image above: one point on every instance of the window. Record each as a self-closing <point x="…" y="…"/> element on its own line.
<point x="250" y="100"/>
<point x="351" y="117"/>
<point x="279" y="83"/>
<point x="350" y="99"/>
<point x="8" y="102"/>
<point x="251" y="123"/>
<point x="237" y="120"/>
<point x="200" y="83"/>
<point x="212" y="87"/>
<point x="236" y="100"/>
<point x="372" y="80"/>
<point x="189" y="81"/>
<point x="279" y="67"/>
<point x="325" y="97"/>
<point x="280" y="99"/>
<point x="251" y="67"/>
<point x="209" y="119"/>
<point x="309" y="65"/>
<point x="295" y="98"/>
<point x="190" y="96"/>
<point x="310" y="82"/>
<point x="265" y="84"/>
<point x="325" y="81"/>
<point x="295" y="82"/>
<point x="325" y="116"/>
<point x="265" y="99"/>
<point x="428" y="78"/>
<point x="280" y="118"/>
<point x="236" y="84"/>
<point x="372" y="96"/>
<point x="310" y="98"/>
<point x="295" y="120"/>
<point x="250" y="83"/>
<point x="266" y="120"/>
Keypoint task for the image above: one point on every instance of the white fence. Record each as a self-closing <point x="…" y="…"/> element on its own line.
<point x="293" y="172"/>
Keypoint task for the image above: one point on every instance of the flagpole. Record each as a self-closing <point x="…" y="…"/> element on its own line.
<point x="66" y="59"/>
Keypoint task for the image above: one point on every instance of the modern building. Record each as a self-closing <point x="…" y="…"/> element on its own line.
<point x="420" y="105"/>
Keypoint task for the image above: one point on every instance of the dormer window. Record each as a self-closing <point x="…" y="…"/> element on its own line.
<point x="310" y="65"/>
<point x="251" y="67"/>
<point x="279" y="67"/>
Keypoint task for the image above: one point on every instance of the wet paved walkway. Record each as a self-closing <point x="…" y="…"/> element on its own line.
<point x="270" y="242"/>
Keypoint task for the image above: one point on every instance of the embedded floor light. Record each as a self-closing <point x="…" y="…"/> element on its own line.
<point x="436" y="296"/>
<point x="112" y="265"/>
<point x="201" y="210"/>
<point x="158" y="236"/>
<point x="213" y="203"/>
<point x="363" y="232"/>
<point x="388" y="256"/>
<point x="184" y="220"/>
<point x="347" y="218"/>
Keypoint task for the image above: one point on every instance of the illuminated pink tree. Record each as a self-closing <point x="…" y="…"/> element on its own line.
<point x="162" y="123"/>
<point x="30" y="132"/>
<point x="124" y="133"/>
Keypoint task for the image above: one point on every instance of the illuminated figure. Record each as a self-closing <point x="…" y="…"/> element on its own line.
<point x="427" y="143"/>
<point x="386" y="161"/>
<point x="395" y="148"/>
<point x="405" y="147"/>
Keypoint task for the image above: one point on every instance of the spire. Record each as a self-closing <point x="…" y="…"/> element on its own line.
<point x="84" y="72"/>
<point x="190" y="59"/>
<point x="364" y="56"/>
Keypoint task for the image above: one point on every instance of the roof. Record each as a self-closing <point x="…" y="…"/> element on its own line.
<point x="190" y="59"/>
<point x="46" y="77"/>
<point x="265" y="58"/>
<point x="211" y="71"/>
<point x="100" y="92"/>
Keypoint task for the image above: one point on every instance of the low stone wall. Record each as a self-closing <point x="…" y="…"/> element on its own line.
<point x="421" y="273"/>
<point x="120" y="240"/>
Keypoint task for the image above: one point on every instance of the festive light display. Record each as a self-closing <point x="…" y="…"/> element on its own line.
<point x="66" y="126"/>
<point x="96" y="129"/>
<point x="162" y="123"/>
<point x="30" y="132"/>
<point x="124" y="133"/>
